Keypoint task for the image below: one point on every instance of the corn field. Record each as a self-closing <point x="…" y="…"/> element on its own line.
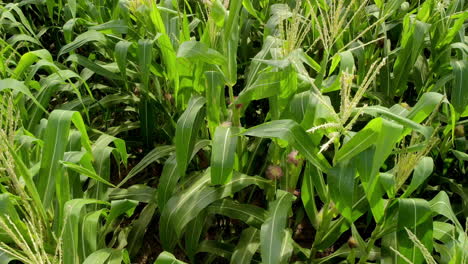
<point x="233" y="131"/>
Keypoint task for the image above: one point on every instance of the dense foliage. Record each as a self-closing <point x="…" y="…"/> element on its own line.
<point x="229" y="131"/>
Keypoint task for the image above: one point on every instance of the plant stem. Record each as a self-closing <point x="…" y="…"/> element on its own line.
<point x="375" y="235"/>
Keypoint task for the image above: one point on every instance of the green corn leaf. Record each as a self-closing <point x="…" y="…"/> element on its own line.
<point x="295" y="135"/>
<point x="120" y="207"/>
<point x="113" y="26"/>
<point x="148" y="115"/>
<point x="19" y="86"/>
<point x="170" y="60"/>
<point x="152" y="156"/>
<point x="223" y="154"/>
<point x="193" y="234"/>
<point x="56" y="137"/>
<point x="414" y="214"/>
<point x="459" y="97"/>
<point x="73" y="215"/>
<point x="185" y="206"/>
<point x="139" y="192"/>
<point x="120" y="54"/>
<point x="94" y="67"/>
<point x="287" y="247"/>
<point x="215" y="105"/>
<point x="90" y="232"/>
<point x="216" y="248"/>
<point x="421" y="172"/>
<point x="341" y="185"/>
<point x="249" y="214"/>
<point x="249" y="243"/>
<point x="440" y="204"/>
<point x="170" y="175"/>
<point x="197" y="51"/>
<point x="21" y="38"/>
<point x="266" y="85"/>
<point x="412" y="42"/>
<point x="28" y="59"/>
<point x="308" y="196"/>
<point x="87" y="172"/>
<point x="82" y="39"/>
<point x="105" y="255"/>
<point x="272" y="237"/>
<point x="359" y="142"/>
<point x="376" y="110"/>
<point x="424" y="107"/>
<point x="167" y="258"/>
<point x="136" y="235"/>
<point x="187" y="129"/>
<point x="145" y="55"/>
<point x="231" y="41"/>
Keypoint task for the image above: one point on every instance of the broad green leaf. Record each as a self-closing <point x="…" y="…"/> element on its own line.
<point x="308" y="195"/>
<point x="170" y="60"/>
<point x="120" y="207"/>
<point x="193" y="234"/>
<point x="21" y="38"/>
<point x="249" y="214"/>
<point x="421" y="172"/>
<point x="414" y="214"/>
<point x="73" y="215"/>
<point x="185" y="206"/>
<point x="87" y="172"/>
<point x="140" y="192"/>
<point x="231" y="41"/>
<point x="145" y="56"/>
<point x="167" y="258"/>
<point x="55" y="142"/>
<point x="154" y="155"/>
<point x="215" y="99"/>
<point x="216" y="248"/>
<point x="105" y="256"/>
<point x="412" y="41"/>
<point x="266" y="85"/>
<point x="287" y="246"/>
<point x="148" y="115"/>
<point x="170" y="175"/>
<point x="376" y="110"/>
<point x="248" y="244"/>
<point x="341" y="185"/>
<point x="359" y="142"/>
<point x="28" y="59"/>
<point x="187" y="129"/>
<point x="223" y="154"/>
<point x="82" y="39"/>
<point x="197" y="51"/>
<point x="140" y="225"/>
<point x="113" y="26"/>
<point x="295" y="135"/>
<point x="120" y="54"/>
<point x="90" y="232"/>
<point x="459" y="97"/>
<point x="19" y="86"/>
<point x="425" y="106"/>
<point x="272" y="237"/>
<point x="440" y="204"/>
<point x="94" y="67"/>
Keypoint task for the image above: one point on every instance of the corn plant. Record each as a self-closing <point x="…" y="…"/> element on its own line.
<point x="229" y="131"/>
